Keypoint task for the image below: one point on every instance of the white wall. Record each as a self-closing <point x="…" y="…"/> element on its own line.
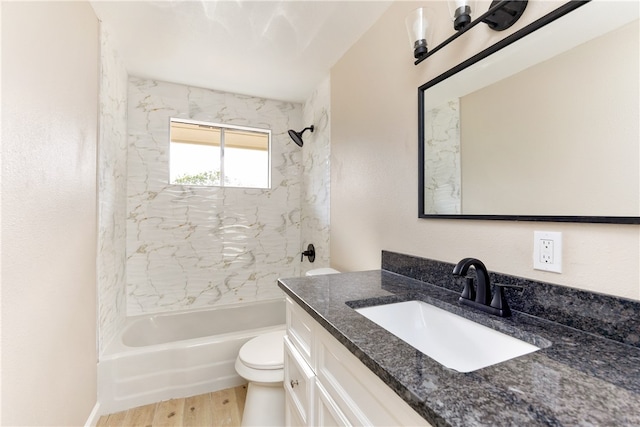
<point x="49" y="131"/>
<point x="374" y="162"/>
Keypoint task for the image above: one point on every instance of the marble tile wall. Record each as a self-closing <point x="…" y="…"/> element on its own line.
<point x="194" y="247"/>
<point x="316" y="176"/>
<point x="112" y="190"/>
<point x="442" y="170"/>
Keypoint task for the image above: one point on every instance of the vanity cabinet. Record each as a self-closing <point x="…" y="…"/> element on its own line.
<point x="327" y="385"/>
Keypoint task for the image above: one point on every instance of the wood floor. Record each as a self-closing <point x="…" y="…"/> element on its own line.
<point x="220" y="408"/>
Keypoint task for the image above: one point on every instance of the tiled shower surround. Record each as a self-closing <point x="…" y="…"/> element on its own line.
<point x="195" y="247"/>
<point x="112" y="189"/>
<point x="316" y="176"/>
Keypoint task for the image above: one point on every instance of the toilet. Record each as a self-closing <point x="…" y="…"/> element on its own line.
<point x="261" y="362"/>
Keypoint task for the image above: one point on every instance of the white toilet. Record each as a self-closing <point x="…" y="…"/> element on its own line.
<point x="261" y="362"/>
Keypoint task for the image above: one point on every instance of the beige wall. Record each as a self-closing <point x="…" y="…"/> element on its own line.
<point x="49" y="126"/>
<point x="374" y="171"/>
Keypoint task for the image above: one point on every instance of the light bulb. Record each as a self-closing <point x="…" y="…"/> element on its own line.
<point x="461" y="11"/>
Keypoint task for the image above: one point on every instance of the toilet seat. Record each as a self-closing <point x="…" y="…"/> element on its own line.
<point x="264" y="352"/>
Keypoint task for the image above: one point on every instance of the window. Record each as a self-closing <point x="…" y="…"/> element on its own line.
<point x="208" y="154"/>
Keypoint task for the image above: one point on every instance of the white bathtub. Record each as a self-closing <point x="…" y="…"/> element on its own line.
<point x="166" y="356"/>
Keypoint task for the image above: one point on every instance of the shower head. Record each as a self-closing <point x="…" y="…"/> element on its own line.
<point x="297" y="136"/>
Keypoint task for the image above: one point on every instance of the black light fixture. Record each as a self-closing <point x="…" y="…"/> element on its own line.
<point x="501" y="15"/>
<point x="297" y="136"/>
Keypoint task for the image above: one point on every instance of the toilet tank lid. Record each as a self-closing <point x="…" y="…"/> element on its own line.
<point x="319" y="271"/>
<point x="265" y="351"/>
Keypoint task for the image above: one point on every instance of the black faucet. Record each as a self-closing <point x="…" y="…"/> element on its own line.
<point x="480" y="297"/>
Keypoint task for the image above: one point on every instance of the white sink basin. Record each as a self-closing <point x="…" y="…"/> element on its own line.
<point x="451" y="340"/>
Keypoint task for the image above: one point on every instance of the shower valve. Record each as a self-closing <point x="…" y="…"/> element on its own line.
<point x="309" y="253"/>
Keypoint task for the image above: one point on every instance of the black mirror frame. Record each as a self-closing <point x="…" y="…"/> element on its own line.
<point x="550" y="17"/>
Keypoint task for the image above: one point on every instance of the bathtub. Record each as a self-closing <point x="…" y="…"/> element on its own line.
<point x="165" y="356"/>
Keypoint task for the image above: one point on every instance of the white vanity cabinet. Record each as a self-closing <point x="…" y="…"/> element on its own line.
<point x="327" y="385"/>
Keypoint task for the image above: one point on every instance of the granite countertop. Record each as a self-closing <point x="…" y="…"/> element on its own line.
<point x="576" y="378"/>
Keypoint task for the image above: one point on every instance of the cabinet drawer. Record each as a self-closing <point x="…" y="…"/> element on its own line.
<point x="300" y="329"/>
<point x="298" y="382"/>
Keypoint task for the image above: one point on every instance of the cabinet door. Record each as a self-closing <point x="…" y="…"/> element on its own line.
<point x="292" y="417"/>
<point x="327" y="412"/>
<point x="299" y="382"/>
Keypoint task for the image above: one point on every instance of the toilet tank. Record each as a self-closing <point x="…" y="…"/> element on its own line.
<point x="320" y="271"/>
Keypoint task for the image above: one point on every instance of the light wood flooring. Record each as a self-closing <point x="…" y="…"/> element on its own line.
<point x="220" y="408"/>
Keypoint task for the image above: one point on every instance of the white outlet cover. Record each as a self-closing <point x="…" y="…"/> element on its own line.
<point x="555" y="265"/>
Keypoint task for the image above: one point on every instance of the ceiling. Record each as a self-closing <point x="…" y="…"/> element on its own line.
<point x="270" y="49"/>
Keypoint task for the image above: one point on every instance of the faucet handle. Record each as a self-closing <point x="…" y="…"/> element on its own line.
<point x="469" y="292"/>
<point x="499" y="301"/>
<point x="310" y="253"/>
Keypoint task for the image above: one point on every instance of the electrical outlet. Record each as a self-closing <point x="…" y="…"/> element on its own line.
<point x="547" y="251"/>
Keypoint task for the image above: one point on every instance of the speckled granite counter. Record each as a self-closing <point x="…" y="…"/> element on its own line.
<point x="576" y="378"/>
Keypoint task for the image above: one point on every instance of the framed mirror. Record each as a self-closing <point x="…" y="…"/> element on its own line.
<point x="542" y="126"/>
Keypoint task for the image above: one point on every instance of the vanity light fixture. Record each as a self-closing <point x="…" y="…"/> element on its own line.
<point x="501" y="15"/>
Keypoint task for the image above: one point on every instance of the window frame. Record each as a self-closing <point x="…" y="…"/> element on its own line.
<point x="223" y="128"/>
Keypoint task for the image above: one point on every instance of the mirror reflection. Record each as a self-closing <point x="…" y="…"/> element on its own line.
<point x="545" y="128"/>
